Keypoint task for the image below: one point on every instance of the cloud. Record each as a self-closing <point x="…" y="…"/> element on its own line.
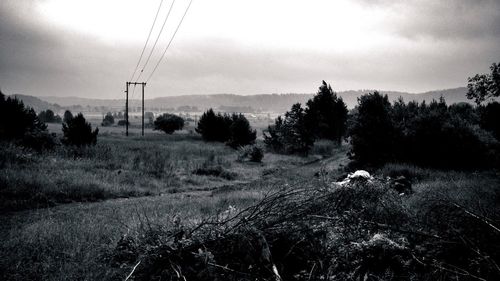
<point x="40" y="59"/>
<point x="441" y="20"/>
<point x="425" y="46"/>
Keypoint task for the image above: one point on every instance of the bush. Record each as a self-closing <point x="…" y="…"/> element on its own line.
<point x="234" y="130"/>
<point x="168" y="123"/>
<point x="40" y="140"/>
<point x="290" y="135"/>
<point x="108" y="120"/>
<point x="67" y="116"/>
<point x="214" y="127"/>
<point x="241" y="132"/>
<point x="252" y="152"/>
<point x="324" y="147"/>
<point x="77" y="131"/>
<point x="48" y="116"/>
<point x="122" y="122"/>
<point x="490" y="118"/>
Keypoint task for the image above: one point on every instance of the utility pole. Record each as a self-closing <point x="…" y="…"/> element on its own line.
<point x="126" y="110"/>
<point x="143" y="84"/>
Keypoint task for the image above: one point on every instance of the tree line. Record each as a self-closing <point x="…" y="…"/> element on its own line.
<point x="457" y="136"/>
<point x="21" y="125"/>
<point x="430" y="134"/>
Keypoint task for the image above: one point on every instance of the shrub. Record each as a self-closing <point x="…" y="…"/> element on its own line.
<point x="438" y="140"/>
<point x="168" y="123"/>
<point x="108" y="120"/>
<point x="77" y="131"/>
<point x="241" y="132"/>
<point x="40" y="140"/>
<point x="151" y="119"/>
<point x="290" y="135"/>
<point x="252" y="152"/>
<point x="48" y="116"/>
<point x="122" y="122"/>
<point x="273" y="137"/>
<point x="214" y="127"/>
<point x="490" y="118"/>
<point x="324" y="147"/>
<point x="234" y="130"/>
<point x="67" y="116"/>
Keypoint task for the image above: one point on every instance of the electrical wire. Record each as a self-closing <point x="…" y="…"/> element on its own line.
<point x="156" y="41"/>
<point x="170" y="42"/>
<point x="147" y="40"/>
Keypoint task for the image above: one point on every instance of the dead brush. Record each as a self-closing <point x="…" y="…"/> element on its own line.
<point x="283" y="237"/>
<point x="360" y="232"/>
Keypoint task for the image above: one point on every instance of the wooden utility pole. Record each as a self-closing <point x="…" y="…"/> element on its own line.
<point x="143" y="84"/>
<point x="126" y="110"/>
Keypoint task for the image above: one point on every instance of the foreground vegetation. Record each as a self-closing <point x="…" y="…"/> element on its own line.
<point x="313" y="228"/>
<point x="324" y="231"/>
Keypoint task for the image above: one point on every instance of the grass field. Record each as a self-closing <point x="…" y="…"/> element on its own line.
<point x="67" y="208"/>
<point x="65" y="211"/>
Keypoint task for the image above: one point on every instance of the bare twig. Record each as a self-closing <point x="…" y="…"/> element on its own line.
<point x="481" y="218"/>
<point x="132" y="272"/>
<point x="456" y="271"/>
<point x="225" y="268"/>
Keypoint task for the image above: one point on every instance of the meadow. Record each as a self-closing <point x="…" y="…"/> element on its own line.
<point x="65" y="212"/>
<point x="64" y="209"/>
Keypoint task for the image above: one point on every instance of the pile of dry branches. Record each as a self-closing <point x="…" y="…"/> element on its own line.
<point x="356" y="232"/>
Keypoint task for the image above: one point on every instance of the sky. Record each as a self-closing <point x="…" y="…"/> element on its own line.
<point x="90" y="48"/>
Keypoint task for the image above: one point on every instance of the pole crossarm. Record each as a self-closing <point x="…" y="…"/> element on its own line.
<point x="143" y="84"/>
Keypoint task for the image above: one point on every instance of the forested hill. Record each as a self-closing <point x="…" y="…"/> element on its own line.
<point x="37" y="103"/>
<point x="266" y="102"/>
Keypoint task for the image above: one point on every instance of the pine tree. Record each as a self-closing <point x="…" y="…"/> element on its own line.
<point x="241" y="132"/>
<point x="326" y="114"/>
<point x="291" y="134"/>
<point x="77" y="131"/>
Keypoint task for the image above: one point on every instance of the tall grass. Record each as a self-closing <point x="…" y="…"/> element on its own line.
<point x="77" y="242"/>
<point x="116" y="167"/>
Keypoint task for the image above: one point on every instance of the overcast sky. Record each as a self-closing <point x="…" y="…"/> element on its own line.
<point x="89" y="48"/>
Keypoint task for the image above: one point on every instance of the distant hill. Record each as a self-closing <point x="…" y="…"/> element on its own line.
<point x="267" y="103"/>
<point x="451" y="96"/>
<point x="37" y="104"/>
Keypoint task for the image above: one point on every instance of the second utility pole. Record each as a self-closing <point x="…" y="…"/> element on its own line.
<point x="143" y="85"/>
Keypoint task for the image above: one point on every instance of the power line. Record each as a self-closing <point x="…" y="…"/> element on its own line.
<point x="156" y="41"/>
<point x="147" y="40"/>
<point x="170" y="42"/>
